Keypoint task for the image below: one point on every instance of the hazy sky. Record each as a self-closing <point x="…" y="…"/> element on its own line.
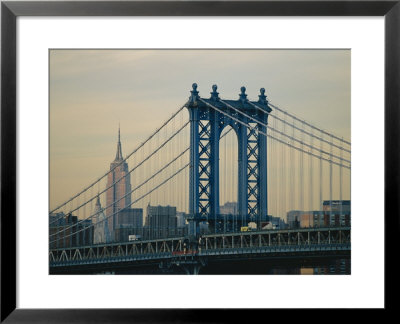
<point x="91" y="91"/>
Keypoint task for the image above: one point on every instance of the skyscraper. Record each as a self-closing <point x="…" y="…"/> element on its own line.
<point x="100" y="223"/>
<point x="118" y="195"/>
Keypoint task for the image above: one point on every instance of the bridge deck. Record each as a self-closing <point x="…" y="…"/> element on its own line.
<point x="261" y="244"/>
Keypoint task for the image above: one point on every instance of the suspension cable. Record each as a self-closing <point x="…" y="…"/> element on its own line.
<point x="307" y="123"/>
<point x="279" y="132"/>
<point x="273" y="137"/>
<point x="299" y="129"/>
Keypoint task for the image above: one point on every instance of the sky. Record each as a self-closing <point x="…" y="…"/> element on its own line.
<point x="92" y="92"/>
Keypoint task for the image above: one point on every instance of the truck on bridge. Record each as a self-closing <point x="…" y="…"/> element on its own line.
<point x="268" y="226"/>
<point x="252" y="226"/>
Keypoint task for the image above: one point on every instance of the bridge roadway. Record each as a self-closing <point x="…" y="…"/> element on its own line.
<point x="180" y="255"/>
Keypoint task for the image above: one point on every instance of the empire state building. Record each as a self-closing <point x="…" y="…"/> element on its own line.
<point x="119" y="182"/>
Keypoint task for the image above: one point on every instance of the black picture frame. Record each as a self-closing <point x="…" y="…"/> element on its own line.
<point x="10" y="10"/>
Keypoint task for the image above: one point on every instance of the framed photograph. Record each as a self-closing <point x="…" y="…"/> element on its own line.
<point x="245" y="143"/>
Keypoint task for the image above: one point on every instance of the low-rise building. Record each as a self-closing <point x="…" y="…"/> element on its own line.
<point x="312" y="218"/>
<point x="337" y="212"/>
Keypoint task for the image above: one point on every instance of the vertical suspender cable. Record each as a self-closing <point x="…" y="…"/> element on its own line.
<point x="340" y="184"/>
<point x="330" y="182"/>
<point x="320" y="185"/>
<point x="279" y="180"/>
<point x="274" y="166"/>
<point x="302" y="174"/>
<point x="291" y="178"/>
<point x="311" y="191"/>
<point x="283" y="177"/>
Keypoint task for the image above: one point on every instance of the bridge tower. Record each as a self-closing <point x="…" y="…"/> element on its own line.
<point x="208" y="117"/>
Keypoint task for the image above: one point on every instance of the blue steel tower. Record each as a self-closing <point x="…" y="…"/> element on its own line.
<point x="208" y="118"/>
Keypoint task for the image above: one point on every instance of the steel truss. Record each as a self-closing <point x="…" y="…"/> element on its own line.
<point x="117" y="251"/>
<point x="276" y="238"/>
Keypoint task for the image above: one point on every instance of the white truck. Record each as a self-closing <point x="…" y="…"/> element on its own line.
<point x="268" y="226"/>
<point x="134" y="237"/>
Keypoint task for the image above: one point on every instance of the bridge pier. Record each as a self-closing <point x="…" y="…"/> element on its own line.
<point x="190" y="265"/>
<point x="192" y="269"/>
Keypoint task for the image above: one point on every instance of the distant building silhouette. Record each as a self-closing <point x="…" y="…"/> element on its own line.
<point x="293" y="218"/>
<point x="68" y="231"/>
<point x="333" y="213"/>
<point x="100" y="223"/>
<point x="229" y="208"/>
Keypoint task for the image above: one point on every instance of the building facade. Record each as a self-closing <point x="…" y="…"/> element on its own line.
<point x="337" y="212"/>
<point x="161" y="221"/>
<point x="333" y="213"/>
<point x="129" y="221"/>
<point x="312" y="218"/>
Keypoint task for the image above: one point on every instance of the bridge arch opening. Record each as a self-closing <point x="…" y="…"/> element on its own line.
<point x="228" y="180"/>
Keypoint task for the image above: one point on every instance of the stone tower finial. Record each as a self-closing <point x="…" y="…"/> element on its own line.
<point x="243" y="95"/>
<point x="214" y="93"/>
<point x="263" y="98"/>
<point x="194" y="94"/>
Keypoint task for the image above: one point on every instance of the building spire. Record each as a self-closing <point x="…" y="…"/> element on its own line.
<point x="118" y="156"/>
<point x="98" y="204"/>
<point x="97" y="207"/>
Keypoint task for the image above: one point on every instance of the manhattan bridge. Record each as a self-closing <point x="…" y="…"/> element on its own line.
<point x="262" y="161"/>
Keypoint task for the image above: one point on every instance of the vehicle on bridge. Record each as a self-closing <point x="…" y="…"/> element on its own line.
<point x="134" y="238"/>
<point x="246" y="229"/>
<point x="251" y="226"/>
<point x="185" y="252"/>
<point x="268" y="226"/>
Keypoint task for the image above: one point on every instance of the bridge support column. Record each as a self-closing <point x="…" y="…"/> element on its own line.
<point x="262" y="174"/>
<point x="242" y="177"/>
<point x="192" y="269"/>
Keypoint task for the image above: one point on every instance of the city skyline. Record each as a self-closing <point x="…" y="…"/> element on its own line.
<point x="94" y="98"/>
